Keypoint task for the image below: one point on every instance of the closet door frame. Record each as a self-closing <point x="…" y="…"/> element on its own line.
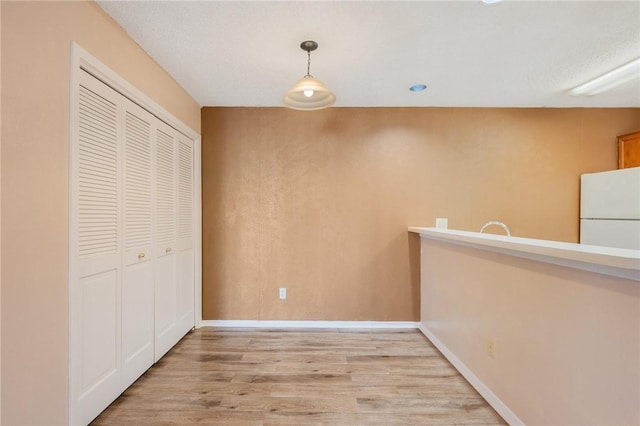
<point x="83" y="60"/>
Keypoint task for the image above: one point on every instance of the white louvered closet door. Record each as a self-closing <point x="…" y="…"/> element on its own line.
<point x="132" y="271"/>
<point x="185" y="303"/>
<point x="165" y="250"/>
<point x="96" y="282"/>
<point x="137" y="281"/>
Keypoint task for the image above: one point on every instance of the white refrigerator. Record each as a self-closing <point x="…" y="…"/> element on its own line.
<point x="610" y="208"/>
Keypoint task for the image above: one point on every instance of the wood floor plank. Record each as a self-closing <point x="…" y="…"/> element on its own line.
<point x="291" y="404"/>
<point x="292" y="378"/>
<point x="345" y="390"/>
<point x="226" y="376"/>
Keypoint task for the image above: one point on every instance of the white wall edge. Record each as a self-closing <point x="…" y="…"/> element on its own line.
<point x="491" y="398"/>
<point x="617" y="262"/>
<point x="197" y="231"/>
<point x="311" y="324"/>
<point x="74" y="90"/>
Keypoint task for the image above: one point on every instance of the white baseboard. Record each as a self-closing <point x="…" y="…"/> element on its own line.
<point x="310" y="324"/>
<point x="493" y="400"/>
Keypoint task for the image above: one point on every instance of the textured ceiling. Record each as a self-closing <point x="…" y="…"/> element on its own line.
<point x="512" y="54"/>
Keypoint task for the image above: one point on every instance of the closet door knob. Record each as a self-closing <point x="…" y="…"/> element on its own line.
<point x="140" y="256"/>
<point x="167" y="250"/>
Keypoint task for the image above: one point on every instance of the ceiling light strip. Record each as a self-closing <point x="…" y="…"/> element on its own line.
<point x="614" y="78"/>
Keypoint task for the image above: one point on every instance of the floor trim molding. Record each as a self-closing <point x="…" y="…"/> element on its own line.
<point x="491" y="398"/>
<point x="310" y="324"/>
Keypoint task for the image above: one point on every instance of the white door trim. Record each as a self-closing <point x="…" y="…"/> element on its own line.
<point x="197" y="228"/>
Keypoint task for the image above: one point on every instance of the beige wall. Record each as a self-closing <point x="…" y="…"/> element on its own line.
<point x="319" y="202"/>
<point x="36" y="39"/>
<point x="567" y="344"/>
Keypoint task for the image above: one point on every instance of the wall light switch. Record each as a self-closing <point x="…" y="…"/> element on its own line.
<point x="283" y="292"/>
<point x="441" y="222"/>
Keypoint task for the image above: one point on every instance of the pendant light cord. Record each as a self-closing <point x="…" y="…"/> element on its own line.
<point x="308" y="63"/>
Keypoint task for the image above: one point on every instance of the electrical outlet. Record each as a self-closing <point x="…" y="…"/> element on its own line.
<point x="441" y="222"/>
<point x="283" y="293"/>
<point x="491" y="348"/>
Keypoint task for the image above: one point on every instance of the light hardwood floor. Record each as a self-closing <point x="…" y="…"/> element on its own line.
<point x="301" y="377"/>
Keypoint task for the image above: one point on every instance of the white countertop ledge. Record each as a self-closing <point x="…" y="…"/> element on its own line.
<point x="618" y="262"/>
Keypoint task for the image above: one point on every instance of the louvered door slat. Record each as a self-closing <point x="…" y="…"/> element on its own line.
<point x="138" y="212"/>
<point x="98" y="175"/>
<point x="90" y="103"/>
<point x="185" y="190"/>
<point x="165" y="188"/>
<point x="95" y="143"/>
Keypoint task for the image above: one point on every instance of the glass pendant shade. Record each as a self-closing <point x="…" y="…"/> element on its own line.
<point x="309" y="94"/>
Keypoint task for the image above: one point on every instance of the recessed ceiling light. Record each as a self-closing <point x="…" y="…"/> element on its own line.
<point x="491" y="1"/>
<point x="418" y="87"/>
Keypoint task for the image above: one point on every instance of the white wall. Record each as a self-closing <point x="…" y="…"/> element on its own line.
<point x="567" y="342"/>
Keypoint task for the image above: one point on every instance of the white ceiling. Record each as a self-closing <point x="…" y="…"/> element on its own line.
<point x="512" y="54"/>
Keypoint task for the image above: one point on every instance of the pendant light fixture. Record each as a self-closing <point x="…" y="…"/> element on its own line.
<point x="309" y="93"/>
